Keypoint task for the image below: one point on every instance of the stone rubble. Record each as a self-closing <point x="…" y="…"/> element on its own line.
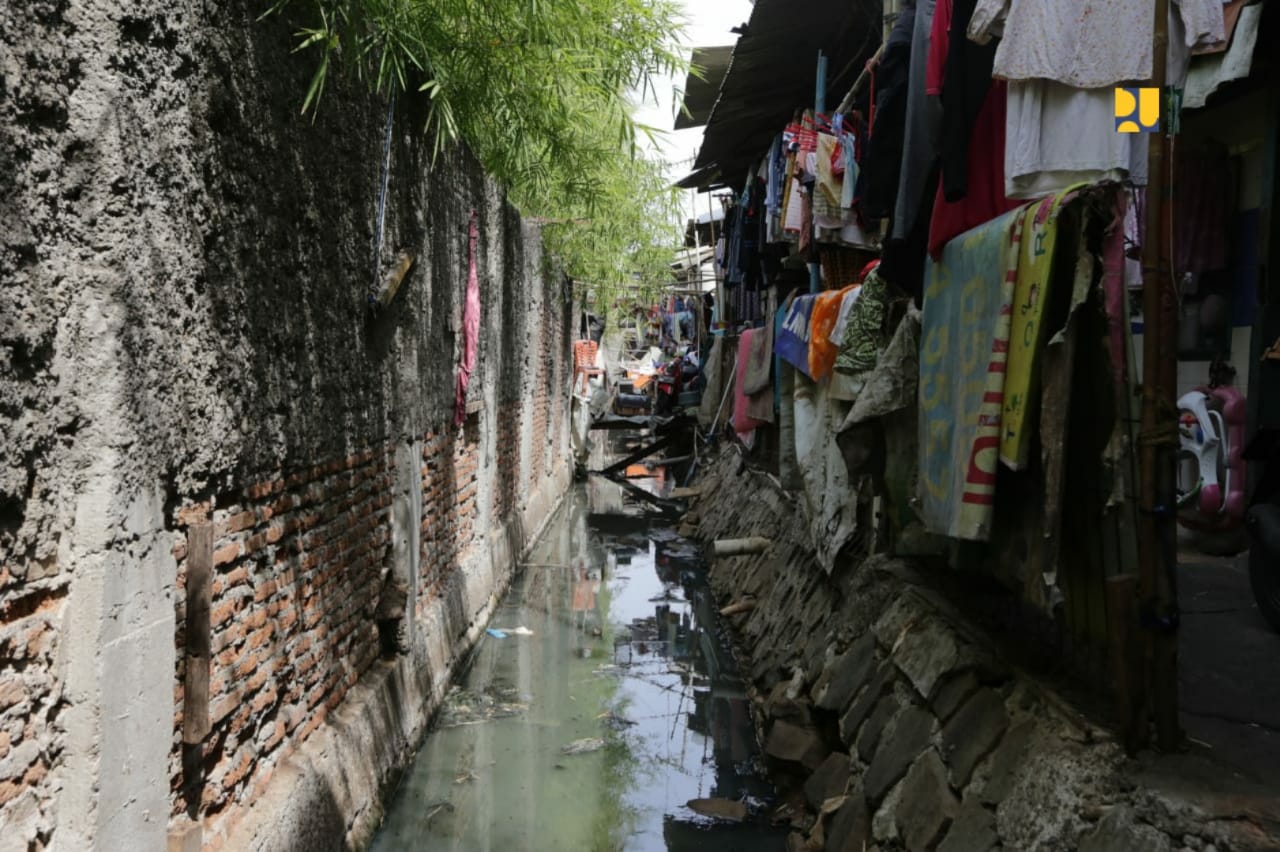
<point x="909" y="717"/>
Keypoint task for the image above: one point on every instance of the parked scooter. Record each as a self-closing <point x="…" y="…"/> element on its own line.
<point x="1263" y="523"/>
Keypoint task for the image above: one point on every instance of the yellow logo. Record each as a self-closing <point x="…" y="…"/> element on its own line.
<point x="1137" y="110"/>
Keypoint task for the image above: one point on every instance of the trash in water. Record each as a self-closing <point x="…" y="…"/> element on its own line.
<point x="495" y="633"/>
<point x="514" y="631"/>
<point x="725" y="809"/>
<point x="464" y="707"/>
<point x="584" y="746"/>
<point x="615" y="721"/>
<point x="436" y="808"/>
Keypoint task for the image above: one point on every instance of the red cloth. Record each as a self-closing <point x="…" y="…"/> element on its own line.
<point x="470" y="330"/>
<point x="742" y="421"/>
<point x="985" y="199"/>
<point x="935" y="65"/>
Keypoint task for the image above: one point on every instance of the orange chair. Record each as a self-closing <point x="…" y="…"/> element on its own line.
<point x="584" y="361"/>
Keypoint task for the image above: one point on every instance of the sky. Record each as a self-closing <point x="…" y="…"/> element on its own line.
<point x="708" y="24"/>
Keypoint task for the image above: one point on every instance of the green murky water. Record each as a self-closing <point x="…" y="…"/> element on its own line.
<point x="594" y="725"/>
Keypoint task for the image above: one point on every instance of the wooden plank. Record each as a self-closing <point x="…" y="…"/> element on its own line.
<point x="638" y="455"/>
<point x="195" y="709"/>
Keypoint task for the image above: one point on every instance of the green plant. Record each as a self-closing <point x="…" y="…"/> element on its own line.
<point x="540" y="91"/>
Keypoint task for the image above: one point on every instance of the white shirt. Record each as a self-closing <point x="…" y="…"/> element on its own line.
<point x="1084" y="43"/>
<point x="1056" y="136"/>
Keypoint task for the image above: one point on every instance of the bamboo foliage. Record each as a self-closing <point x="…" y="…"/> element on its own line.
<point x="540" y="91"/>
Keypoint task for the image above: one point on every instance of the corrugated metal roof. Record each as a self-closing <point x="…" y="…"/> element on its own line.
<point x="700" y="94"/>
<point x="772" y="74"/>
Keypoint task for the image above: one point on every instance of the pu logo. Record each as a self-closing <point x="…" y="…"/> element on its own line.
<point x="1137" y="110"/>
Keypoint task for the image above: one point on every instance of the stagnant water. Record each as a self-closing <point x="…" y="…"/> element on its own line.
<point x="593" y="726"/>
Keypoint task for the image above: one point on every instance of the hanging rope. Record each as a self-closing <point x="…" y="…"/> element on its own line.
<point x="375" y="283"/>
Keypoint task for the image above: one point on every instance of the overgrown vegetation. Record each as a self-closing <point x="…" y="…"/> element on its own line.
<point x="539" y="90"/>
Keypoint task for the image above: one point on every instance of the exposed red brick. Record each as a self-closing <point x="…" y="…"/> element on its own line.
<point x="226" y="553"/>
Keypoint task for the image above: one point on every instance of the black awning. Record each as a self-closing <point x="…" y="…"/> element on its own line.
<point x="700" y="94"/>
<point x="772" y="75"/>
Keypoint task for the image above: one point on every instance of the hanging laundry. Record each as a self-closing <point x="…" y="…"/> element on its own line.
<point x="848" y="187"/>
<point x="792" y="343"/>
<point x="1204" y="205"/>
<point x="972" y="188"/>
<point x="1026" y="333"/>
<point x="1061" y="61"/>
<point x="965" y="338"/>
<point x="1057" y="135"/>
<point x="1233" y="64"/>
<point x="822" y="352"/>
<point x="758" y="367"/>
<point x="884" y="150"/>
<point x="470" y="326"/>
<point x="864" y="337"/>
<point x="846" y="308"/>
<point x="743" y="422"/>
<point x="1115" y="294"/>
<point x="917" y="150"/>
<point x="1088" y="43"/>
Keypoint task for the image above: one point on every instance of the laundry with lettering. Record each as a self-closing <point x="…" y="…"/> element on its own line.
<point x="963" y="354"/>
<point x="792" y="344"/>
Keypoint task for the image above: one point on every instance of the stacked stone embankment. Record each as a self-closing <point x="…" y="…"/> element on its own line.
<point x="892" y="722"/>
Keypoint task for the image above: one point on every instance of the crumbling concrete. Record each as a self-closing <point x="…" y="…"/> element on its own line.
<point x="947" y="745"/>
<point x="185" y="339"/>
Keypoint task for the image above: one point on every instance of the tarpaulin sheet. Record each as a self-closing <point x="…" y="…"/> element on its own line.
<point x="830" y="501"/>
<point x="965" y="326"/>
<point x="1026" y="333"/>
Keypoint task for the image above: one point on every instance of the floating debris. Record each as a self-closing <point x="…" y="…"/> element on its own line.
<point x="615" y="721"/>
<point x="495" y="633"/>
<point x="725" y="809"/>
<point x="584" y="746"/>
<point x="464" y="707"/>
<point x="436" y="808"/>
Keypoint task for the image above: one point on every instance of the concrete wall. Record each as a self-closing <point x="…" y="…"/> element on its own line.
<point x="894" y="720"/>
<point x="184" y="339"/>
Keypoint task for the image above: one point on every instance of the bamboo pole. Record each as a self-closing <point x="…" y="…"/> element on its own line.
<point x="1158" y="603"/>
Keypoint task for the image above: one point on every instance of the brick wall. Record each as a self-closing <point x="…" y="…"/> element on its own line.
<point x="31" y="703"/>
<point x="191" y="343"/>
<point x="297" y="558"/>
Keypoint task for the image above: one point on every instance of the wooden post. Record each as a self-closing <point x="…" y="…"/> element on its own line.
<point x="195" y="701"/>
<point x="1121" y="617"/>
<point x="1158" y="605"/>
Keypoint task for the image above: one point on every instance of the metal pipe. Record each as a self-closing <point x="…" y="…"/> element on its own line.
<point x="740" y="546"/>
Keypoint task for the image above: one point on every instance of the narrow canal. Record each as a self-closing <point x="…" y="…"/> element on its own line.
<point x="601" y="704"/>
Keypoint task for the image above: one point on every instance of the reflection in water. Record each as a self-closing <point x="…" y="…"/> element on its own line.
<point x="594" y="731"/>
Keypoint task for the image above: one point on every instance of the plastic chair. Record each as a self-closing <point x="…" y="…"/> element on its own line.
<point x="584" y="361"/>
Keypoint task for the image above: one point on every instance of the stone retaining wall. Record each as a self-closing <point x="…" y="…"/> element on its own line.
<point x="891" y="721"/>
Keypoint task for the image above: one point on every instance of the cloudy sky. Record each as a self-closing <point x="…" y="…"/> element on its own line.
<point x="708" y="25"/>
